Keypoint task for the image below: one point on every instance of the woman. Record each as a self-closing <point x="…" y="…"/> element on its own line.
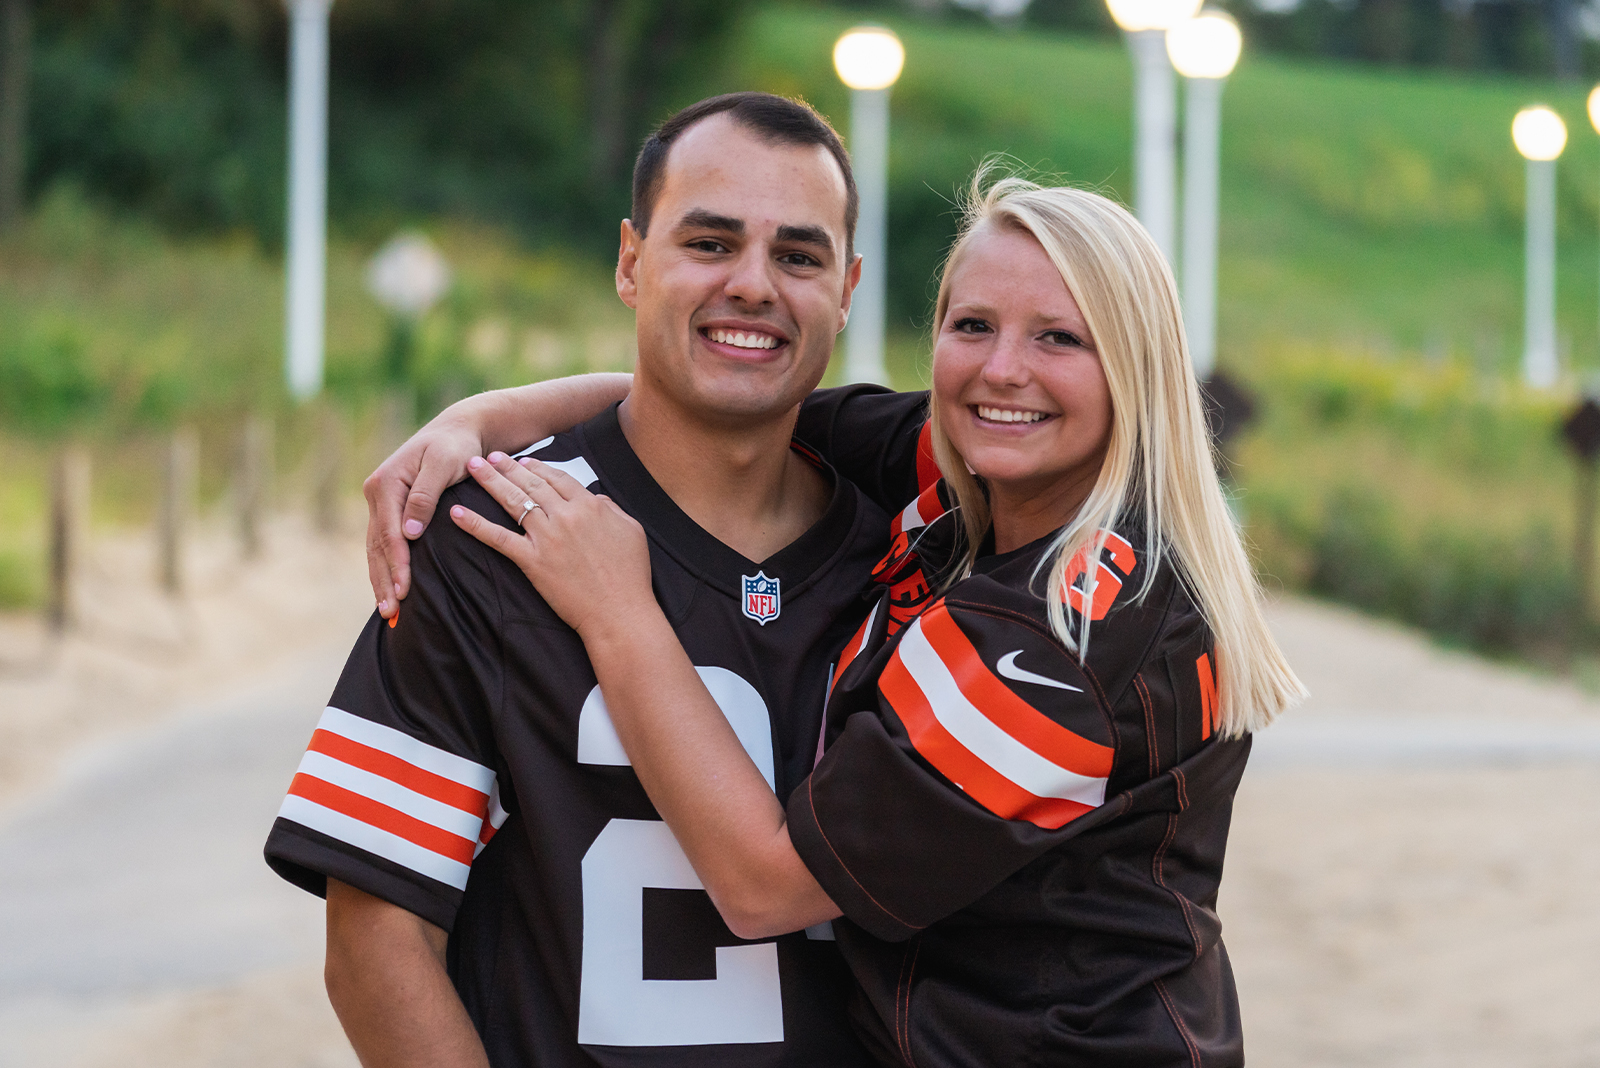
<point x="1033" y="742"/>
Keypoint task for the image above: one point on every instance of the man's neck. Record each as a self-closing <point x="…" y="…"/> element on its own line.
<point x="741" y="483"/>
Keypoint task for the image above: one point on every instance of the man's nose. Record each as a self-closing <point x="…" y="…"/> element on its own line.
<point x="750" y="278"/>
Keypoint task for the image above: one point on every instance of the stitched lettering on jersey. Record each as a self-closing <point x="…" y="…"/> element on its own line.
<point x="1002" y="752"/>
<point x="900" y="569"/>
<point x="1208" y="695"/>
<point x="1109" y="577"/>
<point x="394" y="796"/>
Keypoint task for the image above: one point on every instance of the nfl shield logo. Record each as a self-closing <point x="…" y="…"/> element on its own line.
<point x="761" y="601"/>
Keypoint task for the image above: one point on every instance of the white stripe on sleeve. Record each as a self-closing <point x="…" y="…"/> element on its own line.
<point x="381" y="843"/>
<point x="987" y="740"/>
<point x="387" y="792"/>
<point x="411" y="750"/>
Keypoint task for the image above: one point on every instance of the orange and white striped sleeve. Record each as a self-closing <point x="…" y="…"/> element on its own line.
<point x="988" y="746"/>
<point x="398" y="791"/>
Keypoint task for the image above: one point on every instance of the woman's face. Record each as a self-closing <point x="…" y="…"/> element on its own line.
<point x="1017" y="377"/>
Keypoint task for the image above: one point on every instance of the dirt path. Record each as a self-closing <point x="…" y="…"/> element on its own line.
<point x="1412" y="877"/>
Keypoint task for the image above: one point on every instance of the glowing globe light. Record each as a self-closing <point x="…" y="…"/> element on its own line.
<point x="1594" y="108"/>
<point x="1206" y="46"/>
<point x="869" y="57"/>
<point x="1136" y="15"/>
<point x="1539" y="133"/>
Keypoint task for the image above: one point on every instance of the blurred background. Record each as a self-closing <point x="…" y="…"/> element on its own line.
<point x="180" y="538"/>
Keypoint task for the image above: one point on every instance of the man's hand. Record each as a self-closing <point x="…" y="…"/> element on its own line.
<point x="401" y="496"/>
<point x="387" y="982"/>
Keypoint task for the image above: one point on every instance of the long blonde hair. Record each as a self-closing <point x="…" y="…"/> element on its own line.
<point x="1159" y="464"/>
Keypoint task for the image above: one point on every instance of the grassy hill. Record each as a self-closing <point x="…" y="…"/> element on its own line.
<point x="1362" y="208"/>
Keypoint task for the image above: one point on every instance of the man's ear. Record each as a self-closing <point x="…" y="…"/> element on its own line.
<point x="852" y="278"/>
<point x="628" y="264"/>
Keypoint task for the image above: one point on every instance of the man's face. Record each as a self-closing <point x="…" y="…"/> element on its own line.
<point x="741" y="285"/>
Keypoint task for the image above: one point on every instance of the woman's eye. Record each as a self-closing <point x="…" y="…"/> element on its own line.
<point x="971" y="326"/>
<point x="1064" y="337"/>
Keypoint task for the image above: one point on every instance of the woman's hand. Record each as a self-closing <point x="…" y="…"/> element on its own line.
<point x="588" y="558"/>
<point x="402" y="493"/>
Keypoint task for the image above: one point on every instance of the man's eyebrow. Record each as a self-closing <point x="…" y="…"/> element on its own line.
<point x="701" y="219"/>
<point x="806" y="235"/>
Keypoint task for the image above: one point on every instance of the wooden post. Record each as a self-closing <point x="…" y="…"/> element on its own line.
<point x="328" y="466"/>
<point x="69" y="521"/>
<point x="1581" y="429"/>
<point x="254" y="488"/>
<point x="1588" y="468"/>
<point x="177" y="506"/>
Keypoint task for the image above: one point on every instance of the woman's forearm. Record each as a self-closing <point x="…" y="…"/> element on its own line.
<point x="509" y="419"/>
<point x="724" y="815"/>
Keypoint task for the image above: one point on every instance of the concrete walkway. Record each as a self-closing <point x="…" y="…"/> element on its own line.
<point x="139" y="877"/>
<point x="139" y="925"/>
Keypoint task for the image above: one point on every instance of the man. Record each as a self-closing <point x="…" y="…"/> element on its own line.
<point x="500" y="890"/>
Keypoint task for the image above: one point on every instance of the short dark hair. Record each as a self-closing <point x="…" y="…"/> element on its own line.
<point x="775" y="119"/>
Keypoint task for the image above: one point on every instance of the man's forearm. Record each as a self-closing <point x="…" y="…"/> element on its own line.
<point x="387" y="982"/>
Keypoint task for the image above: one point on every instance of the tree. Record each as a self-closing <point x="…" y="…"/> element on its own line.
<point x="16" y="35"/>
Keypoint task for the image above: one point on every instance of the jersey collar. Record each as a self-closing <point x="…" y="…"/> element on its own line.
<point x="796" y="565"/>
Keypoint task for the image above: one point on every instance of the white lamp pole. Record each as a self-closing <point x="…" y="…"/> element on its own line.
<point x="308" y="194"/>
<point x="1155" y="112"/>
<point x="1204" y="50"/>
<point x="1594" y="108"/>
<point x="1540" y="135"/>
<point x="869" y="60"/>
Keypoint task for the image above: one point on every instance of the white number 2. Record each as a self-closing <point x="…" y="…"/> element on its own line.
<point x="617" y="1006"/>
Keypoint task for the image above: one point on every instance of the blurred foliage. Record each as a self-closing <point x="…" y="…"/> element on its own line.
<point x="111" y="327"/>
<point x="521" y="112"/>
<point x="1416" y="491"/>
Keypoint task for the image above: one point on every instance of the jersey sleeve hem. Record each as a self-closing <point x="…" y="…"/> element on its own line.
<point x="308" y="859"/>
<point x="829" y="869"/>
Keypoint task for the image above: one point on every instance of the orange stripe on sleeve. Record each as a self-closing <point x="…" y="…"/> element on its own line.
<point x="381" y="816"/>
<point x="399" y="771"/>
<point x="957" y="763"/>
<point x="1011" y="713"/>
<point x="851" y="650"/>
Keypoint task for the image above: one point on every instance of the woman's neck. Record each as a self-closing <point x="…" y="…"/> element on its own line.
<point x="1022" y="514"/>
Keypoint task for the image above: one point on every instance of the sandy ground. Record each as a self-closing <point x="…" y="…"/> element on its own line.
<point x="1414" y="876"/>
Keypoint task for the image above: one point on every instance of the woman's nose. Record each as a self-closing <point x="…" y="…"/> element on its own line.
<point x="1007" y="364"/>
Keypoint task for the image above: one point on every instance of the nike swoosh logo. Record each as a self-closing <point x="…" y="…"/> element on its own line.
<point x="1008" y="668"/>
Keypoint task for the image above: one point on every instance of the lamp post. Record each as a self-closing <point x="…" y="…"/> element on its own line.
<point x="869" y="60"/>
<point x="1594" y="108"/>
<point x="1155" y="111"/>
<point x="1204" y="50"/>
<point x="308" y="195"/>
<point x="1540" y="135"/>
